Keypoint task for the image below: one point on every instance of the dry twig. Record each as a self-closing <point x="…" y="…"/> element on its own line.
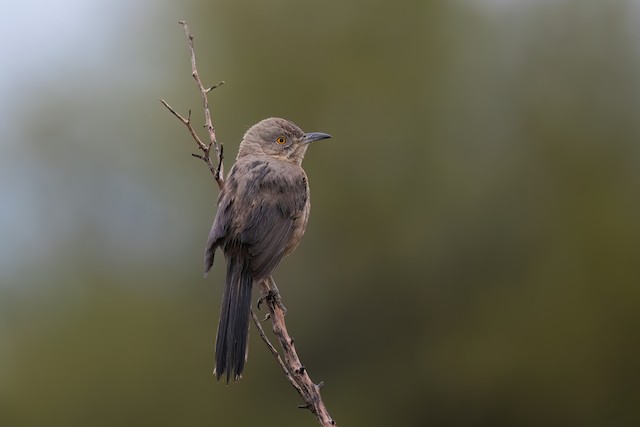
<point x="293" y="369"/>
<point x="218" y="170"/>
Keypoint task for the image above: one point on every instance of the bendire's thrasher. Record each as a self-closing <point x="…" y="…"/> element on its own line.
<point x="263" y="210"/>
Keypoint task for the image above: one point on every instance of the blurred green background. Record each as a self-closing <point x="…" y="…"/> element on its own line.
<point x="472" y="257"/>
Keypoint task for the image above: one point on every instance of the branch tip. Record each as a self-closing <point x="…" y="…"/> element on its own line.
<point x="217" y="85"/>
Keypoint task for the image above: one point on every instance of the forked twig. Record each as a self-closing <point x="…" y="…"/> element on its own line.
<point x="218" y="169"/>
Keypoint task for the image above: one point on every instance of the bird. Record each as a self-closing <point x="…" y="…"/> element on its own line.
<point x="262" y="213"/>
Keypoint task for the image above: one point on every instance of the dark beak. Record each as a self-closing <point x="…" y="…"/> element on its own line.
<point x="315" y="136"/>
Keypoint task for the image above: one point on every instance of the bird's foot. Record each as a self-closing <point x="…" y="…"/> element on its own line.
<point x="272" y="295"/>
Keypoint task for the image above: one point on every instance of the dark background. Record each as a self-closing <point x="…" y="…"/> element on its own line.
<point x="472" y="254"/>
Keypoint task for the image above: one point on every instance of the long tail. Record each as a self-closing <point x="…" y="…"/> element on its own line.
<point x="233" y="328"/>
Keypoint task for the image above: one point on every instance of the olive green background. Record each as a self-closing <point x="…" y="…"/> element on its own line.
<point x="472" y="257"/>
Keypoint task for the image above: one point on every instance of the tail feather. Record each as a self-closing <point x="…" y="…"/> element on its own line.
<point x="233" y="328"/>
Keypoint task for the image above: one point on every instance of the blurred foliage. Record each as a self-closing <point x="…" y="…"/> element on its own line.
<point x="472" y="255"/>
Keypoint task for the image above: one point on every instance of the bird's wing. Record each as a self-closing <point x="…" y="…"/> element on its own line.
<point x="219" y="229"/>
<point x="272" y="214"/>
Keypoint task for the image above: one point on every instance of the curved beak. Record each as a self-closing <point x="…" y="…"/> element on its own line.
<point x="314" y="136"/>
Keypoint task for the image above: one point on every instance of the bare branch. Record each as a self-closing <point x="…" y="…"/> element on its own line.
<point x="218" y="172"/>
<point x="215" y="86"/>
<point x="205" y="149"/>
<point x="293" y="369"/>
<point x="273" y="350"/>
<point x="187" y="123"/>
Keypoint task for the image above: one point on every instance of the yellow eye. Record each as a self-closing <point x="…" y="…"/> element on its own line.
<point x="281" y="140"/>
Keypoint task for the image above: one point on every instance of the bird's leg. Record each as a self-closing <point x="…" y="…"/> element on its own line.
<point x="269" y="291"/>
<point x="276" y="294"/>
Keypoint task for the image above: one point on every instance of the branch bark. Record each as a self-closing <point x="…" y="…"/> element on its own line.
<point x="294" y="370"/>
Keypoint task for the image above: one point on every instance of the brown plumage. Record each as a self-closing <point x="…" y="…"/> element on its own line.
<point x="262" y="214"/>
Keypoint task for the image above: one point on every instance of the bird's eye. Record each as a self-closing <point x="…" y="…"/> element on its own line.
<point x="281" y="140"/>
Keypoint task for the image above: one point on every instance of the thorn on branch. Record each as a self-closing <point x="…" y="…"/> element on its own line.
<point x="305" y="406"/>
<point x="320" y="385"/>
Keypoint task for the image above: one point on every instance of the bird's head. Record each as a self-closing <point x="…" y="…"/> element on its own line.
<point x="278" y="138"/>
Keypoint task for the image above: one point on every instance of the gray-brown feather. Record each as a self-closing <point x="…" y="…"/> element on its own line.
<point x="267" y="214"/>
